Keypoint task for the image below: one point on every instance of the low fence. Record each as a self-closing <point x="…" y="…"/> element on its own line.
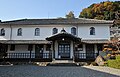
<point x="28" y="57"/>
<point x="84" y="56"/>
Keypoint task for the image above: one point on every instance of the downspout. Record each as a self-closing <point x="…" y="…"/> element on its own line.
<point x="10" y="32"/>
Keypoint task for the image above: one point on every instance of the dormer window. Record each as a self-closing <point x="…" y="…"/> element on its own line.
<point x="37" y="32"/>
<point x="55" y="30"/>
<point x="2" y="32"/>
<point x="19" y="32"/>
<point x="92" y="31"/>
<point x="73" y="31"/>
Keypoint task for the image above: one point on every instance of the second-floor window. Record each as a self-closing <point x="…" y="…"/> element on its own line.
<point x="37" y="32"/>
<point x="19" y="32"/>
<point x="55" y="30"/>
<point x="73" y="31"/>
<point x="92" y="31"/>
<point x="2" y="32"/>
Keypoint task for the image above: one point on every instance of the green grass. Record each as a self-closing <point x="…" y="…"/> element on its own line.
<point x="114" y="63"/>
<point x="118" y="57"/>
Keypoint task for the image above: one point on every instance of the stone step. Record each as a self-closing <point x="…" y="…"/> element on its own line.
<point x="62" y="61"/>
<point x="62" y="64"/>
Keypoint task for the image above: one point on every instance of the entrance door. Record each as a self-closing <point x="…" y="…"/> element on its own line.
<point x="90" y="51"/>
<point x="38" y="51"/>
<point x="64" y="51"/>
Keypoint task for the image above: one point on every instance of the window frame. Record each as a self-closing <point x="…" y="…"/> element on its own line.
<point x="19" y="32"/>
<point x="2" y="32"/>
<point x="54" y="30"/>
<point x="73" y="31"/>
<point x="92" y="30"/>
<point x="37" y="31"/>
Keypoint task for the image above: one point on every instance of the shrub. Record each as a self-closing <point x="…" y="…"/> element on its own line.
<point x="114" y="63"/>
<point x="118" y="57"/>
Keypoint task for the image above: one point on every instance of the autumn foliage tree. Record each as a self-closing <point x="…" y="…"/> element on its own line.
<point x="103" y="11"/>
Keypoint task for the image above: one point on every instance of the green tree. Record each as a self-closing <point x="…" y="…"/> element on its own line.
<point x="104" y="10"/>
<point x="70" y="15"/>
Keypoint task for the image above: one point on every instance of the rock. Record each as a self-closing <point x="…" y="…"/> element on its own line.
<point x="100" y="61"/>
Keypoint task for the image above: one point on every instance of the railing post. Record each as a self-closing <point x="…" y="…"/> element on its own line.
<point x="30" y="56"/>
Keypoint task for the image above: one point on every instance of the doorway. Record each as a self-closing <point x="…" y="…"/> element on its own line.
<point x="64" y="51"/>
<point x="90" y="51"/>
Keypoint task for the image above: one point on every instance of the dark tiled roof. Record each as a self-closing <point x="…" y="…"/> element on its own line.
<point x="63" y="34"/>
<point x="25" y="41"/>
<point x="56" y="21"/>
<point x="96" y="41"/>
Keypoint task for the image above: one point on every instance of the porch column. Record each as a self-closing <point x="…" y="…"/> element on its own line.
<point x="95" y="48"/>
<point x="72" y="49"/>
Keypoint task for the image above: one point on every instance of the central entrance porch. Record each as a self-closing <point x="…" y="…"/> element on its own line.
<point x="63" y="45"/>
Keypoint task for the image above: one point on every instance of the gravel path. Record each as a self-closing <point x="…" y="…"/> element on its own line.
<point x="51" y="71"/>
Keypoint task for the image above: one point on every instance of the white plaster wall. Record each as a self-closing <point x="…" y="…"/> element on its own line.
<point x="45" y="31"/>
<point x="101" y="31"/>
<point x="7" y="33"/>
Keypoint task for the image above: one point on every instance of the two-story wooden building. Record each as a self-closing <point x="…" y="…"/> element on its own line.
<point x="48" y="39"/>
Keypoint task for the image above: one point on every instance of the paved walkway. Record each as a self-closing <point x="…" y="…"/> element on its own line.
<point x="51" y="71"/>
<point x="105" y="69"/>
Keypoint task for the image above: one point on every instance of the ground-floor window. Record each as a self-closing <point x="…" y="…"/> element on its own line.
<point x="48" y="47"/>
<point x="12" y="47"/>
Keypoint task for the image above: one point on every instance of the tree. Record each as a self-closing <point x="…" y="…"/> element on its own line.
<point x="104" y="10"/>
<point x="70" y="15"/>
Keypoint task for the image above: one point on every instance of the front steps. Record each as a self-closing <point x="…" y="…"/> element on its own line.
<point x="62" y="63"/>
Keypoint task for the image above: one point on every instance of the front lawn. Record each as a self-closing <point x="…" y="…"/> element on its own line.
<point x="114" y="63"/>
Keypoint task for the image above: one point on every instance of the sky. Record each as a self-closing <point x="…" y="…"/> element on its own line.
<point x="38" y="9"/>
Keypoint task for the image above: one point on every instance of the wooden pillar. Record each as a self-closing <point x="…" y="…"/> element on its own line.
<point x="53" y="49"/>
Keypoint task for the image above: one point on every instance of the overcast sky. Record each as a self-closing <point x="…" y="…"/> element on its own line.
<point x="20" y="9"/>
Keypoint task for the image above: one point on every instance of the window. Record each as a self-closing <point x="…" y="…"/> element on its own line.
<point x="118" y="27"/>
<point x="19" y="32"/>
<point x="55" y="30"/>
<point x="92" y="31"/>
<point x="30" y="47"/>
<point x="80" y="47"/>
<point x="119" y="31"/>
<point x="48" y="47"/>
<point x="12" y="47"/>
<point x="73" y="31"/>
<point x="37" y="32"/>
<point x="2" y="32"/>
